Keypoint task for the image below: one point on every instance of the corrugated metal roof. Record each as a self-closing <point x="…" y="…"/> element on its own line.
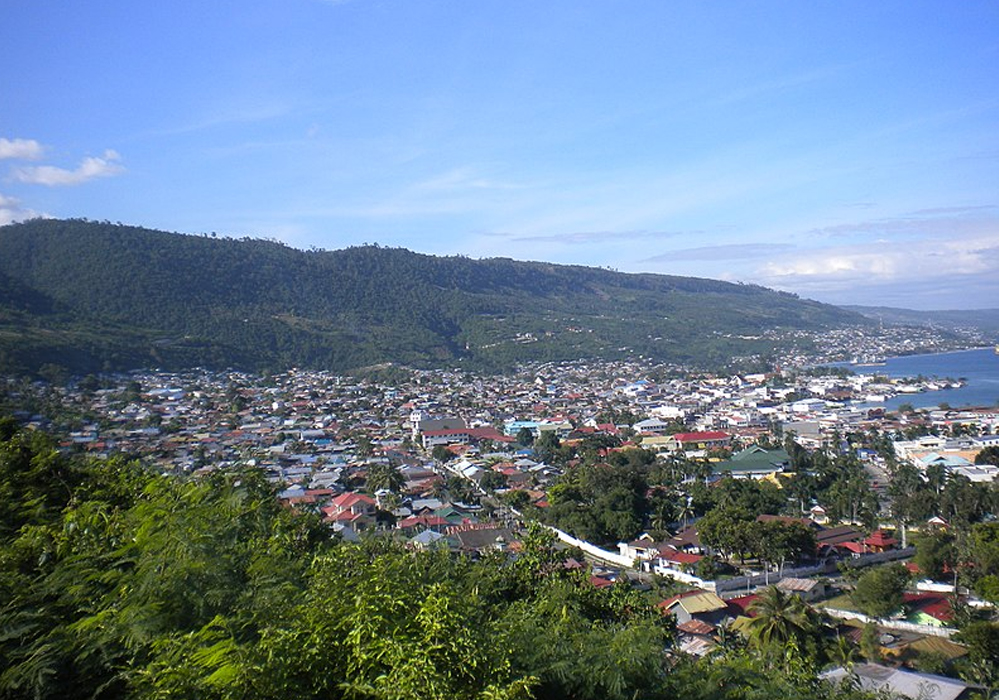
<point x="703" y="602"/>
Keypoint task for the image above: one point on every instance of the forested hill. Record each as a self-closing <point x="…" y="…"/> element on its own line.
<point x="90" y="296"/>
<point x="983" y="320"/>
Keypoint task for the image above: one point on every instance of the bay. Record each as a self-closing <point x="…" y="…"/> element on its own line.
<point x="980" y="368"/>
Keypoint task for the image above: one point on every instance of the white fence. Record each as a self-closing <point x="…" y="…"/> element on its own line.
<point x="827" y="567"/>
<point x="739" y="582"/>
<point x="593" y="550"/>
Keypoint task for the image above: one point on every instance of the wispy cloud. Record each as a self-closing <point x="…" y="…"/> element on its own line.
<point x="20" y="149"/>
<point x="731" y="251"/>
<point x="89" y="169"/>
<point x="938" y="222"/>
<point x="780" y="84"/>
<point x="583" y="237"/>
<point x="11" y="211"/>
<point x="914" y="266"/>
<point x="229" y="115"/>
<point x="461" y="178"/>
<point x="954" y="211"/>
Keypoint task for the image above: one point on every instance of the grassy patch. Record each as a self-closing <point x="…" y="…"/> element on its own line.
<point x="841" y="602"/>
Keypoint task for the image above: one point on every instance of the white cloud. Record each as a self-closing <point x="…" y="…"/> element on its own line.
<point x="89" y="169"/>
<point x="21" y="149"/>
<point x="11" y="211"/>
<point x="729" y="251"/>
<point x="587" y="237"/>
<point x="885" y="264"/>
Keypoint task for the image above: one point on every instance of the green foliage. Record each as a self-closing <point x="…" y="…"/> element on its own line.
<point x="978" y="552"/>
<point x="525" y="438"/>
<point x="981" y="664"/>
<point x="879" y="591"/>
<point x="988" y="455"/>
<point x="871" y="648"/>
<point x="743" y="675"/>
<point x="781" y="620"/>
<point x="936" y="552"/>
<point x="383" y="475"/>
<point x="442" y="453"/>
<point x="119" y="583"/>
<point x="82" y="297"/>
<point x="601" y="503"/>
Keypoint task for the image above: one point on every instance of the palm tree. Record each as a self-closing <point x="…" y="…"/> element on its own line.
<point x="842" y="653"/>
<point x="382" y="475"/>
<point x="779" y="619"/>
<point x="687" y="510"/>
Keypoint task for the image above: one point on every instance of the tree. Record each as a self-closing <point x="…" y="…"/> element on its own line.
<point x="981" y="664"/>
<point x="781" y="542"/>
<point x="364" y="445"/>
<point x="525" y="438"/>
<point x="729" y="530"/>
<point x="871" y="648"/>
<point x="442" y="453"/>
<point x="547" y="447"/>
<point x="383" y="475"/>
<point x="780" y="619"/>
<point x="978" y="551"/>
<point x="905" y="492"/>
<point x="935" y="553"/>
<point x="879" y="591"/>
<point x="988" y="455"/>
<point x="492" y="480"/>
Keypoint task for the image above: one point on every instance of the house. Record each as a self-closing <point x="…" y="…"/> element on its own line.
<point x="939" y="647"/>
<point x="879" y="541"/>
<point x="651" y="426"/>
<point x="928" y="608"/>
<point x="742" y="606"/>
<point x="428" y="539"/>
<point x="695" y="637"/>
<point x="424" y="521"/>
<point x="809" y="590"/>
<point x="643" y="548"/>
<point x="695" y="605"/>
<point x="754" y="463"/>
<point x="355" y="509"/>
<point x="451" y="436"/>
<point x="661" y="444"/>
<point x="835" y="540"/>
<point x="909" y="684"/>
<point x="700" y="441"/>
<point x="669" y="559"/>
<point x="420" y="425"/>
<point x="687" y="540"/>
<point x="481" y="538"/>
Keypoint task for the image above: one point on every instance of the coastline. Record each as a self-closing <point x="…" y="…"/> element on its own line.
<point x="980" y="375"/>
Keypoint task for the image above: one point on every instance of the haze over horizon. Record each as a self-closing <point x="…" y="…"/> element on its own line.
<point x="845" y="152"/>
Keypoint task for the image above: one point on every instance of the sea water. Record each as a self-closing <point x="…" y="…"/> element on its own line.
<point x="979" y="369"/>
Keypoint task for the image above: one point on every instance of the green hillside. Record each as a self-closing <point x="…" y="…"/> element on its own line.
<point x="91" y="296"/>
<point x="982" y="320"/>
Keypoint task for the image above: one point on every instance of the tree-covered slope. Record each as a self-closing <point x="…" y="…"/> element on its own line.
<point x="983" y="320"/>
<point x="90" y="296"/>
<point x="117" y="582"/>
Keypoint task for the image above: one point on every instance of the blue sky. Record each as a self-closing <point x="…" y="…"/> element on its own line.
<point x="846" y="151"/>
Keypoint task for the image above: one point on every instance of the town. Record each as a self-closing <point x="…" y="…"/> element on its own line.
<point x="793" y="481"/>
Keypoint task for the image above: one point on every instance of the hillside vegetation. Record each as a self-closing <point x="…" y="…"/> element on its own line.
<point x="89" y="296"/>
<point x="983" y="320"/>
<point x="116" y="582"/>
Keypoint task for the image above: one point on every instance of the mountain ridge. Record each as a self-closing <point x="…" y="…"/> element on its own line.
<point x="983" y="320"/>
<point x="122" y="297"/>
